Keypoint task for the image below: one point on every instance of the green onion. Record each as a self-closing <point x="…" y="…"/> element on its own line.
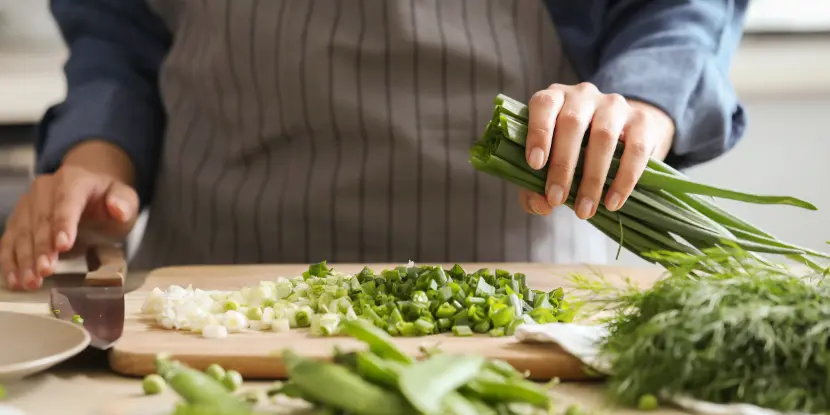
<point x="667" y="211"/>
<point x="422" y="300"/>
<point x="462" y="331"/>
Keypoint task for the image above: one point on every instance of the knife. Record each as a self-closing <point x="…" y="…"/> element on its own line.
<point x="97" y="300"/>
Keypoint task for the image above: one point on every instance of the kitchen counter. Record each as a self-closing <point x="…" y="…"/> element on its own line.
<point x="84" y="385"/>
<point x="96" y="392"/>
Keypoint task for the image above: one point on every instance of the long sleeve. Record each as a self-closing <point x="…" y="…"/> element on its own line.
<point x="674" y="55"/>
<point x="115" y="51"/>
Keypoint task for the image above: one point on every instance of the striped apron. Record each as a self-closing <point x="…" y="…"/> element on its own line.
<point x="339" y="130"/>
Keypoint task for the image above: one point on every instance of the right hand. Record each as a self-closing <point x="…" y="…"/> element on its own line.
<point x="61" y="215"/>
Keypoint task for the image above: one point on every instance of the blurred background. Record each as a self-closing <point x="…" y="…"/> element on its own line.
<point x="781" y="72"/>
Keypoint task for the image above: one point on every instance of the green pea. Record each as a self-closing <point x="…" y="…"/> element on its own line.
<point x="647" y="402"/>
<point x="153" y="384"/>
<point x="77" y="319"/>
<point x="215" y="371"/>
<point x="573" y="409"/>
<point x="231" y="305"/>
<point x="232" y="380"/>
<point x="255" y="313"/>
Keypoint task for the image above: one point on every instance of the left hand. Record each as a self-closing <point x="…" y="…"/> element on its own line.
<point x="558" y="119"/>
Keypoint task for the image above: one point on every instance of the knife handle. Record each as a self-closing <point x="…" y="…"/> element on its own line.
<point x="107" y="266"/>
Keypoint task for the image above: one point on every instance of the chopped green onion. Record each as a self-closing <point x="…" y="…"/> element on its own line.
<point x="462" y="331"/>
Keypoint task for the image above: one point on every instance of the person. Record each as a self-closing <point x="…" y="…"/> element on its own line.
<point x="290" y="132"/>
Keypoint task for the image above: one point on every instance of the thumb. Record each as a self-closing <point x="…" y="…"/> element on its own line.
<point x="118" y="214"/>
<point x="121" y="202"/>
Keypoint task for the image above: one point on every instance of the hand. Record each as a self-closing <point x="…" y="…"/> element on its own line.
<point x="63" y="213"/>
<point x="559" y="117"/>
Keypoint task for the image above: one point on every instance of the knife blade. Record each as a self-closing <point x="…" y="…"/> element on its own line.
<point x="96" y="300"/>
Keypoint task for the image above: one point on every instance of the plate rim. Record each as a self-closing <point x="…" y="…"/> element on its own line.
<point x="51" y="360"/>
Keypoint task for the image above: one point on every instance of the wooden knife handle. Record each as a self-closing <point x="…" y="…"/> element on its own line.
<point x="107" y="266"/>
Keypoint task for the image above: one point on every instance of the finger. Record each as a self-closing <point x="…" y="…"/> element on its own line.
<point x="7" y="261"/>
<point x="534" y="203"/>
<point x="608" y="122"/>
<point x="580" y="103"/>
<point x="71" y="195"/>
<point x="122" y="202"/>
<point x="24" y="250"/>
<point x="543" y="109"/>
<point x="638" y="146"/>
<point x="41" y="207"/>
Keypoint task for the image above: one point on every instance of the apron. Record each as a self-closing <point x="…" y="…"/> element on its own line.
<point x="339" y="130"/>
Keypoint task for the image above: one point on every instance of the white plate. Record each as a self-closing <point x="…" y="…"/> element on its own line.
<point x="33" y="343"/>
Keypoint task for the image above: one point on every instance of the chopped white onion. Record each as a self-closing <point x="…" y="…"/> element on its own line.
<point x="203" y="311"/>
<point x="214" y="331"/>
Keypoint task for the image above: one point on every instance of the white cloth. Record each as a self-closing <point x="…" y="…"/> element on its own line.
<point x="581" y="340"/>
<point x="10" y="410"/>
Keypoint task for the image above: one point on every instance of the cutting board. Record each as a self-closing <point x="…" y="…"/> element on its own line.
<point x="253" y="354"/>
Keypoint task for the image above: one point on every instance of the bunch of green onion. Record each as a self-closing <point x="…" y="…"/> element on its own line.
<point x="667" y="211"/>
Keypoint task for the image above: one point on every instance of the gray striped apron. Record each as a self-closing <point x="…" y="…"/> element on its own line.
<point x="339" y="130"/>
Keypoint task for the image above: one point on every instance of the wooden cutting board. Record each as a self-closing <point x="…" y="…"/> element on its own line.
<point x="252" y="354"/>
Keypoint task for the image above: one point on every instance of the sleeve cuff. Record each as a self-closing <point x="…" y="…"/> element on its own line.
<point x="103" y="111"/>
<point x="686" y="85"/>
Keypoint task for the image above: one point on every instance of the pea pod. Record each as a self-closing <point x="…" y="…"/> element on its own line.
<point x="376" y="370"/>
<point x="198" y="388"/>
<point x="510" y="391"/>
<point x="456" y="404"/>
<point x="343" y="389"/>
<point x="427" y="383"/>
<point x="202" y="409"/>
<point x="378" y="340"/>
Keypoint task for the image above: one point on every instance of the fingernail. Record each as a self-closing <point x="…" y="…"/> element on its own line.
<point x="585" y="208"/>
<point x="120" y="206"/>
<point x="534" y="206"/>
<point x="34" y="283"/>
<point x="62" y="240"/>
<point x="537" y="157"/>
<point x="613" y="201"/>
<point x="43" y="264"/>
<point x="28" y="279"/>
<point x="555" y="194"/>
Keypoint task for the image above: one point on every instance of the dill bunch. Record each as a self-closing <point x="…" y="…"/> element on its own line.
<point x="748" y="332"/>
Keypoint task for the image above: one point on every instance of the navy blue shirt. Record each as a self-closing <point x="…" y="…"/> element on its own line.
<point x="673" y="54"/>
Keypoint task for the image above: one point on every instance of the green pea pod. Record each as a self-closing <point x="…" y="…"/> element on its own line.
<point x="378" y="340"/>
<point x="198" y="388"/>
<point x="511" y="391"/>
<point x="376" y="370"/>
<point x="426" y="384"/>
<point x="457" y="404"/>
<point x="203" y="409"/>
<point x="503" y="368"/>
<point x="340" y="388"/>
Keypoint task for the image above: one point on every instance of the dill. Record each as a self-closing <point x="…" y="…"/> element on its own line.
<point x="747" y="331"/>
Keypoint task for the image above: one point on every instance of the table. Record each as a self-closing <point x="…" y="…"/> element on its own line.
<point x="85" y="386"/>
